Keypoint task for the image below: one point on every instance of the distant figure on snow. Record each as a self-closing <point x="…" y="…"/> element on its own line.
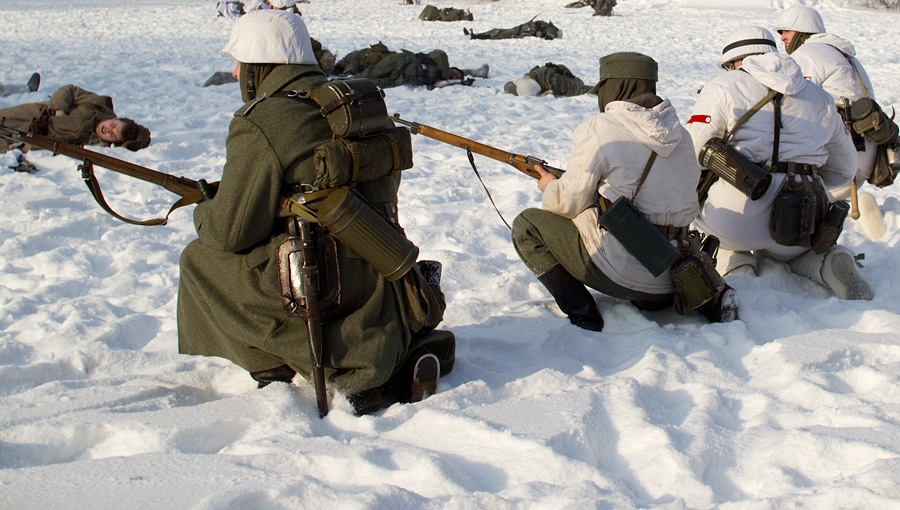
<point x="601" y="7"/>
<point x="432" y="13"/>
<point x="534" y="28"/>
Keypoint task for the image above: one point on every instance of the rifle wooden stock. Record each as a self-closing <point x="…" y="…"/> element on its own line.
<point x="524" y="164"/>
<point x="181" y="186"/>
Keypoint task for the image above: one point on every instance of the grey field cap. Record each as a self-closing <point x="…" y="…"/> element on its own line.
<point x="628" y="65"/>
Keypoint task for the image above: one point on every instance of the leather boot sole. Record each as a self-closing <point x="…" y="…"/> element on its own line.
<point x="425" y="377"/>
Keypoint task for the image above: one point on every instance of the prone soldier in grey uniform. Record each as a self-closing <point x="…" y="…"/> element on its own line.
<point x="359" y="60"/>
<point x="550" y="78"/>
<point x="534" y="28"/>
<point x="430" y="69"/>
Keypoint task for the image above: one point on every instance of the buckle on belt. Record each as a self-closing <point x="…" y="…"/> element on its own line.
<point x="300" y="189"/>
<point x="790" y="167"/>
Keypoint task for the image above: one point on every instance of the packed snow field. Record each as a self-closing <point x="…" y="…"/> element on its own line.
<point x="796" y="405"/>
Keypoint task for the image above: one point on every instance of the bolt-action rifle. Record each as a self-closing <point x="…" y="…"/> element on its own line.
<point x="524" y="164"/>
<point x="190" y="191"/>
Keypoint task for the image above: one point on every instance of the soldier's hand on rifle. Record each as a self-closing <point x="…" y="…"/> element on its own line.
<point x="546" y="177"/>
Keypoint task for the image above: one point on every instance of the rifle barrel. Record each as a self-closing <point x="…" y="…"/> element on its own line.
<point x="179" y="185"/>
<point x="524" y="164"/>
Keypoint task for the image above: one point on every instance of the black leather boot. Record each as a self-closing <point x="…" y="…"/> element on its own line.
<point x="573" y="298"/>
<point x="723" y="309"/>
<point x="283" y="374"/>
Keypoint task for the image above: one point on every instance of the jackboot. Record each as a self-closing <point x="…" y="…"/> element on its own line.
<point x="724" y="308"/>
<point x="573" y="298"/>
<point x="481" y="72"/>
<point x="283" y="374"/>
<point x="35" y="81"/>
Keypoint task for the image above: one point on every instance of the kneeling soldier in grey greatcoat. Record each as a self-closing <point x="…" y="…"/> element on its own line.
<point x="230" y="300"/>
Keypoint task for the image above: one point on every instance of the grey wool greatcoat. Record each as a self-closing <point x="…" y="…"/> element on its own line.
<point x="229" y="301"/>
<point x="82" y="111"/>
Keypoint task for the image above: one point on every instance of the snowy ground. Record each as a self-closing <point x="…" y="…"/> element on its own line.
<point x="794" y="406"/>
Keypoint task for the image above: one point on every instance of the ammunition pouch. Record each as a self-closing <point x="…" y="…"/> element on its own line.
<point x="799" y="209"/>
<point x="640" y="238"/>
<point x="887" y="164"/>
<point x="859" y="141"/>
<point x="729" y="164"/>
<point x="870" y="121"/>
<point x="344" y="162"/>
<point x="694" y="278"/>
<point x="357" y="225"/>
<point x="41" y="123"/>
<point x="828" y="232"/>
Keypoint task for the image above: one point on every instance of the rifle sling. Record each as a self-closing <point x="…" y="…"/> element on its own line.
<point x="90" y="180"/>
<point x="472" y="162"/>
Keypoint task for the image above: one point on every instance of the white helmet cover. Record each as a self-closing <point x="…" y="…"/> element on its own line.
<point x="270" y="37"/>
<point x="801" y="19"/>
<point x="746" y="41"/>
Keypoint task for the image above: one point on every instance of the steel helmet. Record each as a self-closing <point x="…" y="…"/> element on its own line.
<point x="801" y="19"/>
<point x="746" y="41"/>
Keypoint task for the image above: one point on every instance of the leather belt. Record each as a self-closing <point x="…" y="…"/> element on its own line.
<point x="784" y="167"/>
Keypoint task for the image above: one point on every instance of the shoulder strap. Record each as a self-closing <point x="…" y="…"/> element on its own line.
<point x="856" y="71"/>
<point x="604" y="202"/>
<point x="777" y="140"/>
<point x="750" y="112"/>
<point x="644" y="175"/>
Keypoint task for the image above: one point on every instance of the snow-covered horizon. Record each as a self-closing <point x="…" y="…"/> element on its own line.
<point x="796" y="405"/>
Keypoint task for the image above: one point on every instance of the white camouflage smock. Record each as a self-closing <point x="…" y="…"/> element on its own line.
<point x="825" y="60"/>
<point x="812" y="133"/>
<point x="610" y="153"/>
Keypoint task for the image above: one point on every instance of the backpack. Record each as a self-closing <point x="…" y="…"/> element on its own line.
<point x="364" y="147"/>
